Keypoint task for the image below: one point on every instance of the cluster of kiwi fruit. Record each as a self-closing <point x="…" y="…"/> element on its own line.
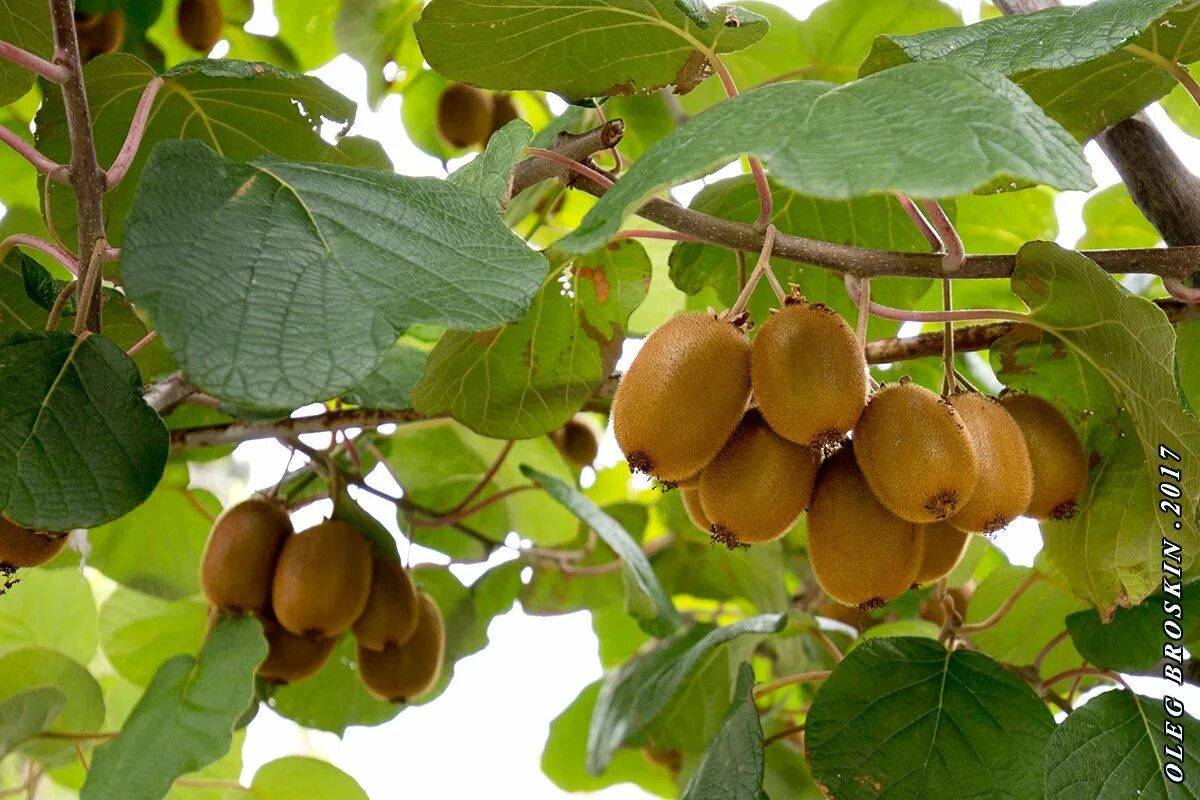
<point x="468" y="116"/>
<point x="22" y="548"/>
<point x="309" y="588"/>
<point x="894" y="479"/>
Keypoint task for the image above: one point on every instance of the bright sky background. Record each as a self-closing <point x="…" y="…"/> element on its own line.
<point x="484" y="736"/>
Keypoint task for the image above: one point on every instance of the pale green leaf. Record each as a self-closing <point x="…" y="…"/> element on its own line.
<point x="28" y="713"/>
<point x="488" y="174"/>
<point x="51" y="608"/>
<point x="302" y="778"/>
<point x="1114" y="221"/>
<point x="35" y="667"/>
<point x="139" y="632"/>
<point x="732" y="766"/>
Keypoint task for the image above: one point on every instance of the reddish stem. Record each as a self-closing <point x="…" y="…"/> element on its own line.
<point x="1180" y="291"/>
<point x="145" y="340"/>
<point x="674" y="236"/>
<point x="902" y="315"/>
<point x="922" y="224"/>
<point x="33" y="242"/>
<point x="573" y="165"/>
<point x="461" y="514"/>
<point x="30" y="153"/>
<point x="55" y="73"/>
<point x="956" y="254"/>
<point x="485" y="480"/>
<point x="765" y="200"/>
<point x="133" y="139"/>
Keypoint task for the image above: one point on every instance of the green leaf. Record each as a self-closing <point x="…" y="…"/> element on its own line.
<point x="634" y="695"/>
<point x="28" y="713"/>
<point x="308" y="30"/>
<point x="1133" y="640"/>
<point x="139" y="632"/>
<point x="367" y="253"/>
<point x="50" y="608"/>
<point x="78" y="445"/>
<point x="1001" y="223"/>
<point x="489" y="173"/>
<point x="526" y="379"/>
<point x="18" y="312"/>
<point x="35" y="667"/>
<point x="644" y="597"/>
<point x="26" y="24"/>
<point x="197" y="699"/>
<point x="388" y="386"/>
<point x="1111" y="749"/>
<point x="732" y="766"/>
<point x="1187" y="349"/>
<point x="906" y="718"/>
<point x="376" y="33"/>
<point x="301" y="778"/>
<point x="867" y="137"/>
<point x="1113" y="221"/>
<point x="472" y="41"/>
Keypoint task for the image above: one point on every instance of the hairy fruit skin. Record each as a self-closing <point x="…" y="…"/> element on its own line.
<point x="916" y="453"/>
<point x="464" y="115"/>
<point x="405" y="672"/>
<point x="757" y="486"/>
<point x="935" y="612"/>
<point x="238" y="566"/>
<point x="695" y="512"/>
<point x="199" y="23"/>
<point x="683" y="396"/>
<point x="1005" y="484"/>
<point x="1060" y="467"/>
<point x="504" y="111"/>
<point x="390" y="617"/>
<point x="21" y="548"/>
<point x="945" y="546"/>
<point x="809" y="375"/>
<point x="292" y="658"/>
<point x="578" y="441"/>
<point x="862" y="554"/>
<point x="100" y="33"/>
<point x="322" y="580"/>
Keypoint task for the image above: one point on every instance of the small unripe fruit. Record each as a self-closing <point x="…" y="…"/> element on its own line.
<point x="322" y="580"/>
<point x="21" y="547"/>
<point x="292" y="658"/>
<point x="861" y="554"/>
<point x="695" y="512"/>
<point x="504" y="111"/>
<point x="579" y="440"/>
<point x="1060" y="467"/>
<point x="100" y="33"/>
<point x="391" y="613"/>
<point x="809" y="375"/>
<point x="682" y="397"/>
<point x="404" y="672"/>
<point x="935" y="611"/>
<point x="916" y="453"/>
<point x="238" y="566"/>
<point x="199" y="23"/>
<point x="464" y="115"/>
<point x="1005" y="484"/>
<point x="757" y="486"/>
<point x="945" y="546"/>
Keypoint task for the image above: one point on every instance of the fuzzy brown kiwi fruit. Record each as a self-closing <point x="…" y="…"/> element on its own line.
<point x="861" y="553"/>
<point x="391" y="613"/>
<point x="100" y="33"/>
<point x="1005" y="483"/>
<point x="504" y="111"/>
<point x="21" y="547"/>
<point x="945" y="546"/>
<point x="292" y="658"/>
<point x="199" y="23"/>
<point x="400" y="673"/>
<point x="1060" y="467"/>
<point x="809" y="374"/>
<point x="683" y="396"/>
<point x="464" y="115"/>
<point x="322" y="580"/>
<point x="757" y="486"/>
<point x="579" y="440"/>
<point x="695" y="512"/>
<point x="935" y="612"/>
<point x="915" y="453"/>
<point x="854" y="617"/>
<point x="238" y="566"/>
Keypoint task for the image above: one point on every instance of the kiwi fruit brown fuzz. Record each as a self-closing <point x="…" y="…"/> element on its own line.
<point x="579" y="440"/>
<point x="199" y="23"/>
<point x="854" y="617"/>
<point x="100" y="33"/>
<point x="464" y="115"/>
<point x="1060" y="467"/>
<point x="21" y="547"/>
<point x="1005" y="484"/>
<point x="391" y="613"/>
<point x="504" y="111"/>
<point x="809" y="374"/>
<point x="861" y="553"/>
<point x="400" y="673"/>
<point x="292" y="658"/>
<point x="683" y="396"/>
<point x="757" y="486"/>
<point x="935" y="612"/>
<point x="238" y="566"/>
<point x="915" y="453"/>
<point x="691" y="504"/>
<point x="945" y="546"/>
<point x="322" y="580"/>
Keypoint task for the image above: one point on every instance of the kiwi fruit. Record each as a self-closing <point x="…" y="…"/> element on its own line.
<point x="935" y="612"/>
<point x="292" y="658"/>
<point x="945" y="546"/>
<point x="1005" y="482"/>
<point x="99" y="33"/>
<point x="683" y="396"/>
<point x="238" y="565"/>
<point x="322" y="580"/>
<point x="464" y="117"/>
<point x="757" y="486"/>
<point x="670" y="760"/>
<point x="579" y="440"/>
<point x="504" y="111"/>
<point x="809" y="374"/>
<point x="916" y="453"/>
<point x="1060" y="468"/>
<point x="21" y="547"/>
<point x="691" y="504"/>
<point x="861" y="553"/>
<point x="854" y="617"/>
<point x="199" y="23"/>
<point x="400" y="673"/>
<point x="391" y="613"/>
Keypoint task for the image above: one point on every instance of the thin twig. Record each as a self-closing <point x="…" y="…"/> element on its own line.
<point x="457" y="516"/>
<point x="764" y="264"/>
<point x="133" y="139"/>
<point x="786" y="733"/>
<point x="922" y="225"/>
<point x="91" y="273"/>
<point x="1050" y="645"/>
<point x="60" y="303"/>
<point x="1180" y="291"/>
<point x="790" y="680"/>
<point x="905" y="315"/>
<point x="651" y="549"/>
<point x="571" y="164"/>
<point x="33" y="242"/>
<point x="766" y="202"/>
<point x="55" y="73"/>
<point x="140" y="343"/>
<point x="864" y="310"/>
<point x="27" y="151"/>
<point x="482" y="483"/>
<point x="1084" y="672"/>
<point x="827" y="643"/>
<point x="169" y="392"/>
<point x="638" y="233"/>
<point x="952" y="244"/>
<point x="1005" y="607"/>
<point x="948" y="384"/>
<point x="741" y="269"/>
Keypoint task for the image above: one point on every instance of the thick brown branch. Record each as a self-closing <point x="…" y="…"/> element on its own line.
<point x="575" y="146"/>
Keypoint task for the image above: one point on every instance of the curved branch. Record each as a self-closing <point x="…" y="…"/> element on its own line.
<point x="137" y="128"/>
<point x="33" y="242"/>
<point x="55" y="73"/>
<point x="30" y="153"/>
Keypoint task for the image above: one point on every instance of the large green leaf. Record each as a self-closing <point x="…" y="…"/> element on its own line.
<point x="529" y="378"/>
<point x="78" y="444"/>
<point x="301" y="778"/>
<point x="489" y="174"/>
<point x="1133" y="640"/>
<point x="1112" y="749"/>
<point x="659" y="46"/>
<point x="1113" y="221"/>
<point x="197" y="699"/>
<point x="732" y="766"/>
<point x="139" y="632"/>
<point x="280" y="283"/>
<point x="867" y="137"/>
<point x="26" y="24"/>
<point x="34" y="667"/>
<point x="28" y="713"/>
<point x="392" y="380"/>
<point x="634" y="695"/>
<point x="17" y="311"/>
<point x="907" y="719"/>
<point x="51" y="608"/>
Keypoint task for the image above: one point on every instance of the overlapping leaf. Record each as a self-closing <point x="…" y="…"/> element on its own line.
<point x="732" y="766"/>
<point x="26" y="24"/>
<point x="28" y="713"/>
<point x="1133" y="640"/>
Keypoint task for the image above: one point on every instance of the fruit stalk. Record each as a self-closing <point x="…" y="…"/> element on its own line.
<point x="133" y="139"/>
<point x="55" y="73"/>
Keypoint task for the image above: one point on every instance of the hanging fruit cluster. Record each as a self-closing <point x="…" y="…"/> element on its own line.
<point x="894" y="481"/>
<point x="467" y="117"/>
<point x="309" y="588"/>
